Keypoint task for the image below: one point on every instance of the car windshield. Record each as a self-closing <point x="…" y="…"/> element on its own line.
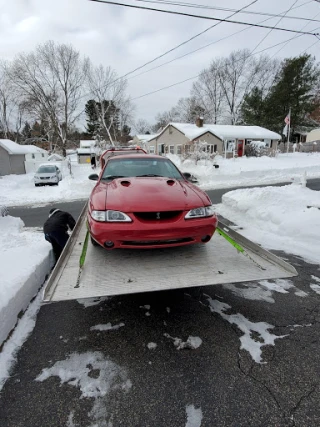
<point x="46" y="169"/>
<point x="140" y="167"/>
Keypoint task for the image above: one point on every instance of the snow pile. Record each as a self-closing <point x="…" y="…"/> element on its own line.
<point x="17" y="190"/>
<point x="19" y="285"/>
<point x="283" y="218"/>
<point x="250" y="330"/>
<point x="191" y="343"/>
<point x="250" y="171"/>
<point x="106" y="327"/>
<point x="194" y="416"/>
<point x="77" y="371"/>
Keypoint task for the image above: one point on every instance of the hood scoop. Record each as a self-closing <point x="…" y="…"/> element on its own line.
<point x="171" y="182"/>
<point x="125" y="183"/>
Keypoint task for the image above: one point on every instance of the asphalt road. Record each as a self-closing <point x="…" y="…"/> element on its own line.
<point x="153" y="387"/>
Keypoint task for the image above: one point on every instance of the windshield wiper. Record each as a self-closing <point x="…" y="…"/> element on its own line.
<point x="148" y="174"/>
<point x="112" y="177"/>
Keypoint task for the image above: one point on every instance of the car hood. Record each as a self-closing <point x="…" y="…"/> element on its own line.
<point x="147" y="194"/>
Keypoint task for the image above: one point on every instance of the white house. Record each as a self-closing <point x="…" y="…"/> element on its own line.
<point x="314" y="135"/>
<point x="19" y="159"/>
<point x="178" y="138"/>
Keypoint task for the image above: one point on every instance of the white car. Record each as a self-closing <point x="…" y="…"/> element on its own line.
<point x="47" y="175"/>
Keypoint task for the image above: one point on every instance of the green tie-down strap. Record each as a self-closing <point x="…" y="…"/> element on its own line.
<point x="237" y="246"/>
<point x="84" y="250"/>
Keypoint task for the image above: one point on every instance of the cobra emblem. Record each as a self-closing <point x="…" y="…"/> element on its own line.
<point x="158" y="215"/>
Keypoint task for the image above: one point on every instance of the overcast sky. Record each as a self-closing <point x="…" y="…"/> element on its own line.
<point x="126" y="38"/>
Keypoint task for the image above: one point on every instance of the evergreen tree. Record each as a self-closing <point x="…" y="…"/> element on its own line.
<point x="294" y="87"/>
<point x="92" y="117"/>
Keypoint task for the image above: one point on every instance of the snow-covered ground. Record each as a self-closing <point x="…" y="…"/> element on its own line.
<point x="18" y="190"/>
<point x="285" y="218"/>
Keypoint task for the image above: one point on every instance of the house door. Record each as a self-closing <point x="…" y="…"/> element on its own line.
<point x="240" y="147"/>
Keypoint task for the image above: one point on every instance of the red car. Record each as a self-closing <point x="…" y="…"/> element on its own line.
<point x="144" y="201"/>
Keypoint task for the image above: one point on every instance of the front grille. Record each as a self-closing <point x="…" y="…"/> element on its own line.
<point x="157" y="216"/>
<point x="45" y="177"/>
<point x="156" y="242"/>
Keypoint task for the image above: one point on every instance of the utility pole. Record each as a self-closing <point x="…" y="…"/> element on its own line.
<point x="289" y="124"/>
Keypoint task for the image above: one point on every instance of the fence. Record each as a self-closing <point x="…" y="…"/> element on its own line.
<point x="301" y="147"/>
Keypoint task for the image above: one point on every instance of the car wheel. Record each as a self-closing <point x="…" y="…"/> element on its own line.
<point x="36" y="185"/>
<point x="94" y="243"/>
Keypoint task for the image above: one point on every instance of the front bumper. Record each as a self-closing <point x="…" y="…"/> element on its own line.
<point x="153" y="234"/>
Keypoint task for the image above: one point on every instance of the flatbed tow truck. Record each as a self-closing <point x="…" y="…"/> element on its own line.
<point x="85" y="271"/>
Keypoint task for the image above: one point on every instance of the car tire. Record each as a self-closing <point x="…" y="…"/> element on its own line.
<point x="94" y="243"/>
<point x="36" y="185"/>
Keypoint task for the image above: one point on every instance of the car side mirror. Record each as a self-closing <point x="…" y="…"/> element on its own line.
<point x="94" y="177"/>
<point x="188" y="176"/>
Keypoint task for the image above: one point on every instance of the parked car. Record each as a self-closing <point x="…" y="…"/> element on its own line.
<point x="144" y="201"/>
<point x="119" y="151"/>
<point x="47" y="175"/>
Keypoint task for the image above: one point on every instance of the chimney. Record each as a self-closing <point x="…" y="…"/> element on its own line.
<point x="199" y="122"/>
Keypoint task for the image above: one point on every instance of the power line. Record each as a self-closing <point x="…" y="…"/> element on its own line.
<point x="288" y="41"/>
<point x="197" y="6"/>
<point x="185" y="42"/>
<point x="201" y="17"/>
<point x="198" y="75"/>
<point x="279" y="20"/>
<point x="212" y="43"/>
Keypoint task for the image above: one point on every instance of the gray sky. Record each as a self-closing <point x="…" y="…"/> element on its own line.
<point x="126" y="38"/>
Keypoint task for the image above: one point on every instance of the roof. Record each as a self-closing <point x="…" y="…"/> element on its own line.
<point x="88" y="151"/>
<point x="223" y="132"/>
<point x="13" y="148"/>
<point x="87" y="143"/>
<point x="147" y="137"/>
<point x="55" y="156"/>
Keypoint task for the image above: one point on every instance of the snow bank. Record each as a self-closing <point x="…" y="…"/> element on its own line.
<point x="284" y="218"/>
<point x="19" y="285"/>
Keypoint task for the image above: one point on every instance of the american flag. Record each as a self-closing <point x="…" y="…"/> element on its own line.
<point x="287" y="119"/>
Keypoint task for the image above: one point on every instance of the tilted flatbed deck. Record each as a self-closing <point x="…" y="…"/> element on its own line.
<point x="127" y="271"/>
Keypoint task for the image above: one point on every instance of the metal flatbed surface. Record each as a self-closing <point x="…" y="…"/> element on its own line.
<point x="126" y="271"/>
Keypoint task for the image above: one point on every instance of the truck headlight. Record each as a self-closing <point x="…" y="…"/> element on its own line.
<point x="110" y="216"/>
<point x="202" y="212"/>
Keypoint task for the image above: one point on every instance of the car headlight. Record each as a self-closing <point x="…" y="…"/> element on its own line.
<point x="203" y="212"/>
<point x="110" y="216"/>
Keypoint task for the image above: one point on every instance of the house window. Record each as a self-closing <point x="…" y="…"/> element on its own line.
<point x="268" y="142"/>
<point x="171" y="149"/>
<point x="42" y="155"/>
<point x="179" y="150"/>
<point x="151" y="149"/>
<point x="215" y="148"/>
<point x="187" y="148"/>
<point x="33" y="156"/>
<point x="231" y="145"/>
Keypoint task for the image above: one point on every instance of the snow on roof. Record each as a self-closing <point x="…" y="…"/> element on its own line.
<point x="147" y="137"/>
<point x="91" y="150"/>
<point x="13" y="148"/>
<point x="87" y="143"/>
<point x="55" y="156"/>
<point x="192" y="131"/>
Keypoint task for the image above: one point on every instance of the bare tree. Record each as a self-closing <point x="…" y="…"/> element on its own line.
<point x="222" y="87"/>
<point x="208" y="93"/>
<point x="6" y="99"/>
<point x="50" y="80"/>
<point x="109" y="93"/>
<point x="142" y="127"/>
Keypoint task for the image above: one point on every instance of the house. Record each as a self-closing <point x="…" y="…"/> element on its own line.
<point x="142" y="140"/>
<point x="314" y="135"/>
<point x="87" y="150"/>
<point x="18" y="159"/>
<point x="179" y="138"/>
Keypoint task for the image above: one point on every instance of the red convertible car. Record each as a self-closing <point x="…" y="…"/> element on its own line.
<point x="144" y="201"/>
